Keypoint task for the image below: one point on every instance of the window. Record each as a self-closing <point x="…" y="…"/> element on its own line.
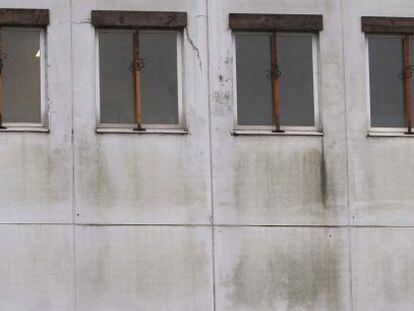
<point x="140" y="74"/>
<point x="22" y="74"/>
<point x="139" y="77"/>
<point x="390" y="81"/>
<point x="391" y="61"/>
<point x="276" y="71"/>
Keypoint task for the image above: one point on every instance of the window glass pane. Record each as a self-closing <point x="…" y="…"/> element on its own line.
<point x="254" y="86"/>
<point x="159" y="77"/>
<point x="117" y="87"/>
<point x="21" y="75"/>
<point x="296" y="81"/>
<point x="386" y="83"/>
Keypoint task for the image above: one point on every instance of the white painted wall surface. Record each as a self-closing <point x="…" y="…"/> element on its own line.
<point x="207" y="221"/>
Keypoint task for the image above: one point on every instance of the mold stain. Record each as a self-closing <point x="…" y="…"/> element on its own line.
<point x="39" y="177"/>
<point x="223" y="103"/>
<point x="323" y="178"/>
<point x="104" y="187"/>
<point x="384" y="182"/>
<point x="148" y="272"/>
<point x="100" y="277"/>
<point x="292" y="277"/>
<point x="252" y="290"/>
<point x="142" y="181"/>
<point x="284" y="179"/>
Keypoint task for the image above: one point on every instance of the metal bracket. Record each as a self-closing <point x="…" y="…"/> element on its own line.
<point x="409" y="70"/>
<point x="274" y="73"/>
<point x="139" y="128"/>
<point x="139" y="65"/>
<point x="1" y="123"/>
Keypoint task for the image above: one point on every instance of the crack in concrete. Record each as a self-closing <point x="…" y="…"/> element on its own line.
<point x="195" y="48"/>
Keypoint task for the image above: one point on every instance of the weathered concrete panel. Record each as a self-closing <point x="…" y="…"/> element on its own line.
<point x="36" y="268"/>
<point x="36" y="168"/>
<point x="380" y="168"/>
<point x="144" y="268"/>
<point x="282" y="269"/>
<point x="278" y="180"/>
<point x="138" y="179"/>
<point x="382" y="269"/>
<point x="142" y="178"/>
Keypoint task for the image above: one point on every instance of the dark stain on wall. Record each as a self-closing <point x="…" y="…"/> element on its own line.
<point x="323" y="178"/>
<point x="282" y="181"/>
<point x="297" y="275"/>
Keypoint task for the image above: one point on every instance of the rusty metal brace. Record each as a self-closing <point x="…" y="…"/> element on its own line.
<point x="275" y="74"/>
<point x="1" y="81"/>
<point x="408" y="73"/>
<point x="138" y="66"/>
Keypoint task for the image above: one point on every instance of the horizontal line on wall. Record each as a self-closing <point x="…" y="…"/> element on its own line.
<point x="36" y="223"/>
<point x="202" y="225"/>
<point x="317" y="226"/>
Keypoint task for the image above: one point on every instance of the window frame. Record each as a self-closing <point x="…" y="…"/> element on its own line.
<point x="375" y="129"/>
<point x="387" y="26"/>
<point x="378" y="129"/>
<point x="317" y="127"/>
<point x="139" y="21"/>
<point x="180" y="76"/>
<point x="44" y="115"/>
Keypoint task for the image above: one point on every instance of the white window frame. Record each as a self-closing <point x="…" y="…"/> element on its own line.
<point x="317" y="128"/>
<point x="373" y="129"/>
<point x="180" y="77"/>
<point x="44" y="120"/>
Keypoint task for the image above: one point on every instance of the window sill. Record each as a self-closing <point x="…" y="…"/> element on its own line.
<point x="23" y="129"/>
<point x="389" y="134"/>
<point x="270" y="133"/>
<point x="147" y="131"/>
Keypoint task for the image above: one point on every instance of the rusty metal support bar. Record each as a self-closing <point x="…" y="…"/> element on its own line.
<point x="407" y="83"/>
<point x="137" y="76"/>
<point x="1" y="80"/>
<point x="275" y="74"/>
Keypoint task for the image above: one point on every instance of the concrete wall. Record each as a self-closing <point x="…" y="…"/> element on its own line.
<point x="207" y="221"/>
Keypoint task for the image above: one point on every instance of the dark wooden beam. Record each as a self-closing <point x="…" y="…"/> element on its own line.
<point x="139" y="19"/>
<point x="24" y="17"/>
<point x="276" y="22"/>
<point x="397" y="25"/>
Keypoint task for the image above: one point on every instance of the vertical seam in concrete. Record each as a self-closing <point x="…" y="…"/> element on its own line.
<point x="207" y="4"/>
<point x="347" y="153"/>
<point x="75" y="294"/>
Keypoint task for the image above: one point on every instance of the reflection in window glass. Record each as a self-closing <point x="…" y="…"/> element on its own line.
<point x="117" y="89"/>
<point x="386" y="66"/>
<point x="296" y="81"/>
<point x="254" y="86"/>
<point x="21" y="75"/>
<point x="159" y="77"/>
